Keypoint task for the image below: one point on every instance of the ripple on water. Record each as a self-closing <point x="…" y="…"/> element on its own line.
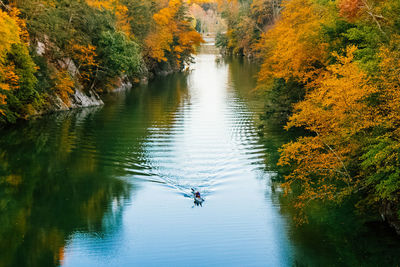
<point x="204" y="136"/>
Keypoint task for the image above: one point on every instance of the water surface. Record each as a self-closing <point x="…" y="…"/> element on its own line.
<point x="110" y="186"/>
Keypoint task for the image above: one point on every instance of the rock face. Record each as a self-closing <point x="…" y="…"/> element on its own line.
<point x="164" y="72"/>
<point x="69" y="65"/>
<point x="389" y="214"/>
<point x="78" y="100"/>
<point x="121" y="84"/>
<point x="82" y="97"/>
<point x="89" y="99"/>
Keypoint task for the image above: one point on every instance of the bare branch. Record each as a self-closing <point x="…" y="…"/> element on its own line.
<point x="4" y="5"/>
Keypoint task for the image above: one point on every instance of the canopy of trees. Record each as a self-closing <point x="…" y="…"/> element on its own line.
<point x="334" y="65"/>
<point x="247" y="20"/>
<point x="55" y="47"/>
<point x="331" y="68"/>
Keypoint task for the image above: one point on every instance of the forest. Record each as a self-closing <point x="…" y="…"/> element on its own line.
<point x="330" y="68"/>
<point x="200" y="132"/>
<point x="49" y="49"/>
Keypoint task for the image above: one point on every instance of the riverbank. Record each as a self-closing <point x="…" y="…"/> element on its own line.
<point x="332" y="70"/>
<point x="59" y="56"/>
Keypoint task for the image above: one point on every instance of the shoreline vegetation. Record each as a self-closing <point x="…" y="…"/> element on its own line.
<point x="330" y="68"/>
<point x="62" y="54"/>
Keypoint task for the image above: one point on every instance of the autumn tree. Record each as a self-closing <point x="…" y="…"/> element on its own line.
<point x="247" y="20"/>
<point x="369" y="9"/>
<point x="173" y="39"/>
<point x="17" y="80"/>
<point x="87" y="66"/>
<point x="294" y="47"/>
<point x="9" y="35"/>
<point x="63" y="86"/>
<point x="100" y="43"/>
<point x="337" y="114"/>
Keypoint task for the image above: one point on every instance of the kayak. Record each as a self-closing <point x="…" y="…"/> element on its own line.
<point x="198" y="199"/>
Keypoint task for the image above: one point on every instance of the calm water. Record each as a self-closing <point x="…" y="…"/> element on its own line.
<point x="110" y="186"/>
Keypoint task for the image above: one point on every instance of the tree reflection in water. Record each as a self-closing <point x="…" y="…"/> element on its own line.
<point x="64" y="173"/>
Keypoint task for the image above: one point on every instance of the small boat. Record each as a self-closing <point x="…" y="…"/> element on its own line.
<point x="197" y="199"/>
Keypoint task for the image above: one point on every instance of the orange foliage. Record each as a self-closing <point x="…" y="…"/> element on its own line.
<point x="159" y="40"/>
<point x="63" y="86"/>
<point x="167" y="27"/>
<point x="389" y="111"/>
<point x="85" y="57"/>
<point x="10" y="33"/>
<point x="9" y="78"/>
<point x="3" y="101"/>
<point x="337" y="113"/>
<point x="336" y="103"/>
<point x="350" y="8"/>
<point x="15" y="13"/>
<point x="294" y="47"/>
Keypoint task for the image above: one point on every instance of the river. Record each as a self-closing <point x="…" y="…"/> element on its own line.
<point x="110" y="186"/>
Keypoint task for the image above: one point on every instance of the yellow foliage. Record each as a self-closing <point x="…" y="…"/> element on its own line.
<point x="336" y="105"/>
<point x="85" y="57"/>
<point x="159" y="40"/>
<point x="293" y="47"/>
<point x="388" y="113"/>
<point x="168" y="26"/>
<point x="3" y="101"/>
<point x="10" y="77"/>
<point x="337" y="113"/>
<point x="85" y="54"/>
<point x="15" y="13"/>
<point x="10" y="33"/>
<point x="157" y="43"/>
<point x="63" y="86"/>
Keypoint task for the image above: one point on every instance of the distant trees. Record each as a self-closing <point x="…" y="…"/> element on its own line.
<point x="247" y="20"/>
<point x="208" y="19"/>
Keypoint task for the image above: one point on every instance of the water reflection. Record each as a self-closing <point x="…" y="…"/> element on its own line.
<point x="52" y="186"/>
<point x="63" y="175"/>
<point x="335" y="235"/>
<point x="111" y="186"/>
